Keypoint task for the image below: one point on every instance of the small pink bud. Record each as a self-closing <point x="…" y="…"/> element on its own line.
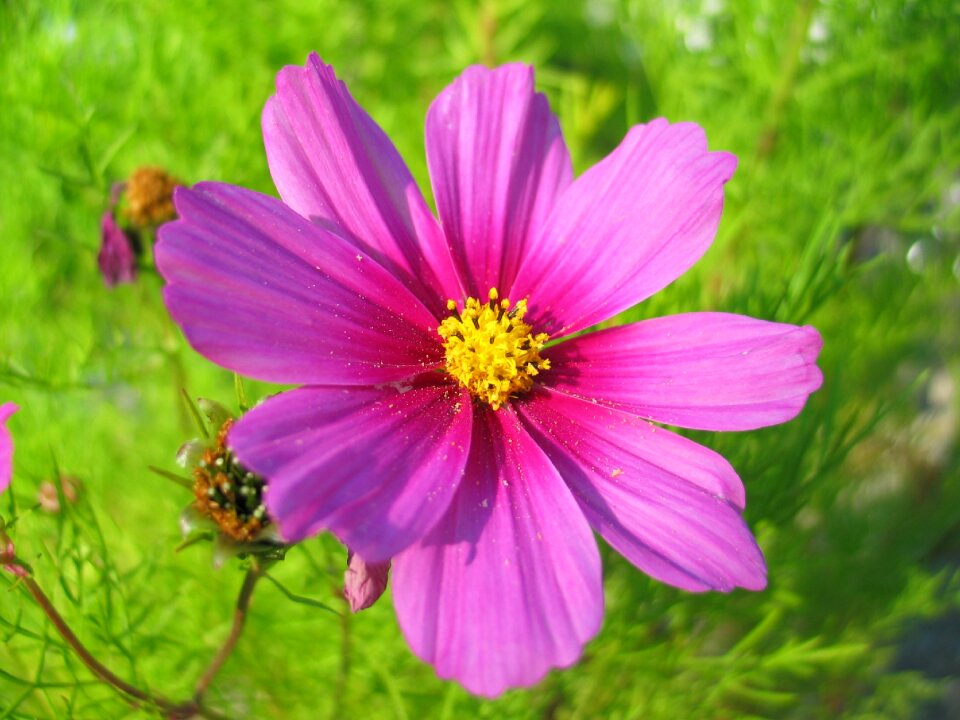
<point x="9" y="555"/>
<point x="117" y="258"/>
<point x="364" y="583"/>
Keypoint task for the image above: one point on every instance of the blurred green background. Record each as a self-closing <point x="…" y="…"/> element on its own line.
<point x="844" y="213"/>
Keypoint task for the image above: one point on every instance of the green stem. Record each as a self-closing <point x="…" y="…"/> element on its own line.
<point x="343" y="672"/>
<point x="239" y="620"/>
<point x="488" y="34"/>
<point x="777" y="107"/>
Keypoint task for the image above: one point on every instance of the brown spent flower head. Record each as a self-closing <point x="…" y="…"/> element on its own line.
<point x="149" y="196"/>
<point x="227" y="493"/>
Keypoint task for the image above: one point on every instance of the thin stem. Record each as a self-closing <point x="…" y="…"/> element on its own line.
<point x="135" y="695"/>
<point x="172" y="348"/>
<point x="239" y="620"/>
<point x="343" y="672"/>
<point x="488" y="33"/>
<point x="89" y="660"/>
<point x="790" y="64"/>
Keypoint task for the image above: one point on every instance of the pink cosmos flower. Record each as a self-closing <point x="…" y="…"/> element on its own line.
<point x="436" y="426"/>
<point x="7" y="550"/>
<point x="6" y="445"/>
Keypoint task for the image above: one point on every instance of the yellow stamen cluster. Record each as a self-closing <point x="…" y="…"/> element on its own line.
<point x="490" y="350"/>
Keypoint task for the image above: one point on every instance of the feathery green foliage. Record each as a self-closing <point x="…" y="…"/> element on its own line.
<point x="844" y="213"/>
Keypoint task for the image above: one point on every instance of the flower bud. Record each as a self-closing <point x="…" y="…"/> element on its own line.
<point x="364" y="583"/>
<point x="8" y="555"/>
<point x="117" y="258"/>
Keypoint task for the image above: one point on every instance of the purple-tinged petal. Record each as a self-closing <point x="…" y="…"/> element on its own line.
<point x="507" y="585"/>
<point x="626" y="228"/>
<point x="711" y="371"/>
<point x="331" y="162"/>
<point x="497" y="164"/>
<point x="6" y="445"/>
<point x="663" y="451"/>
<point x="260" y="290"/>
<point x="648" y="494"/>
<point x="363" y="582"/>
<point x="116" y="259"/>
<point x="377" y="466"/>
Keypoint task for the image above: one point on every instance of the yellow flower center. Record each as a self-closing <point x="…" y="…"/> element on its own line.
<point x="490" y="350"/>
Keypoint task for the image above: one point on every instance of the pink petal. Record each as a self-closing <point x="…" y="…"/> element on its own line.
<point x="711" y="371"/>
<point x="6" y="445"/>
<point x="262" y="291"/>
<point x="508" y="584"/>
<point x="376" y="465"/>
<point x="627" y="228"/>
<point x="332" y="162"/>
<point x="497" y="164"/>
<point x="663" y="451"/>
<point x="363" y="582"/>
<point x="649" y="494"/>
